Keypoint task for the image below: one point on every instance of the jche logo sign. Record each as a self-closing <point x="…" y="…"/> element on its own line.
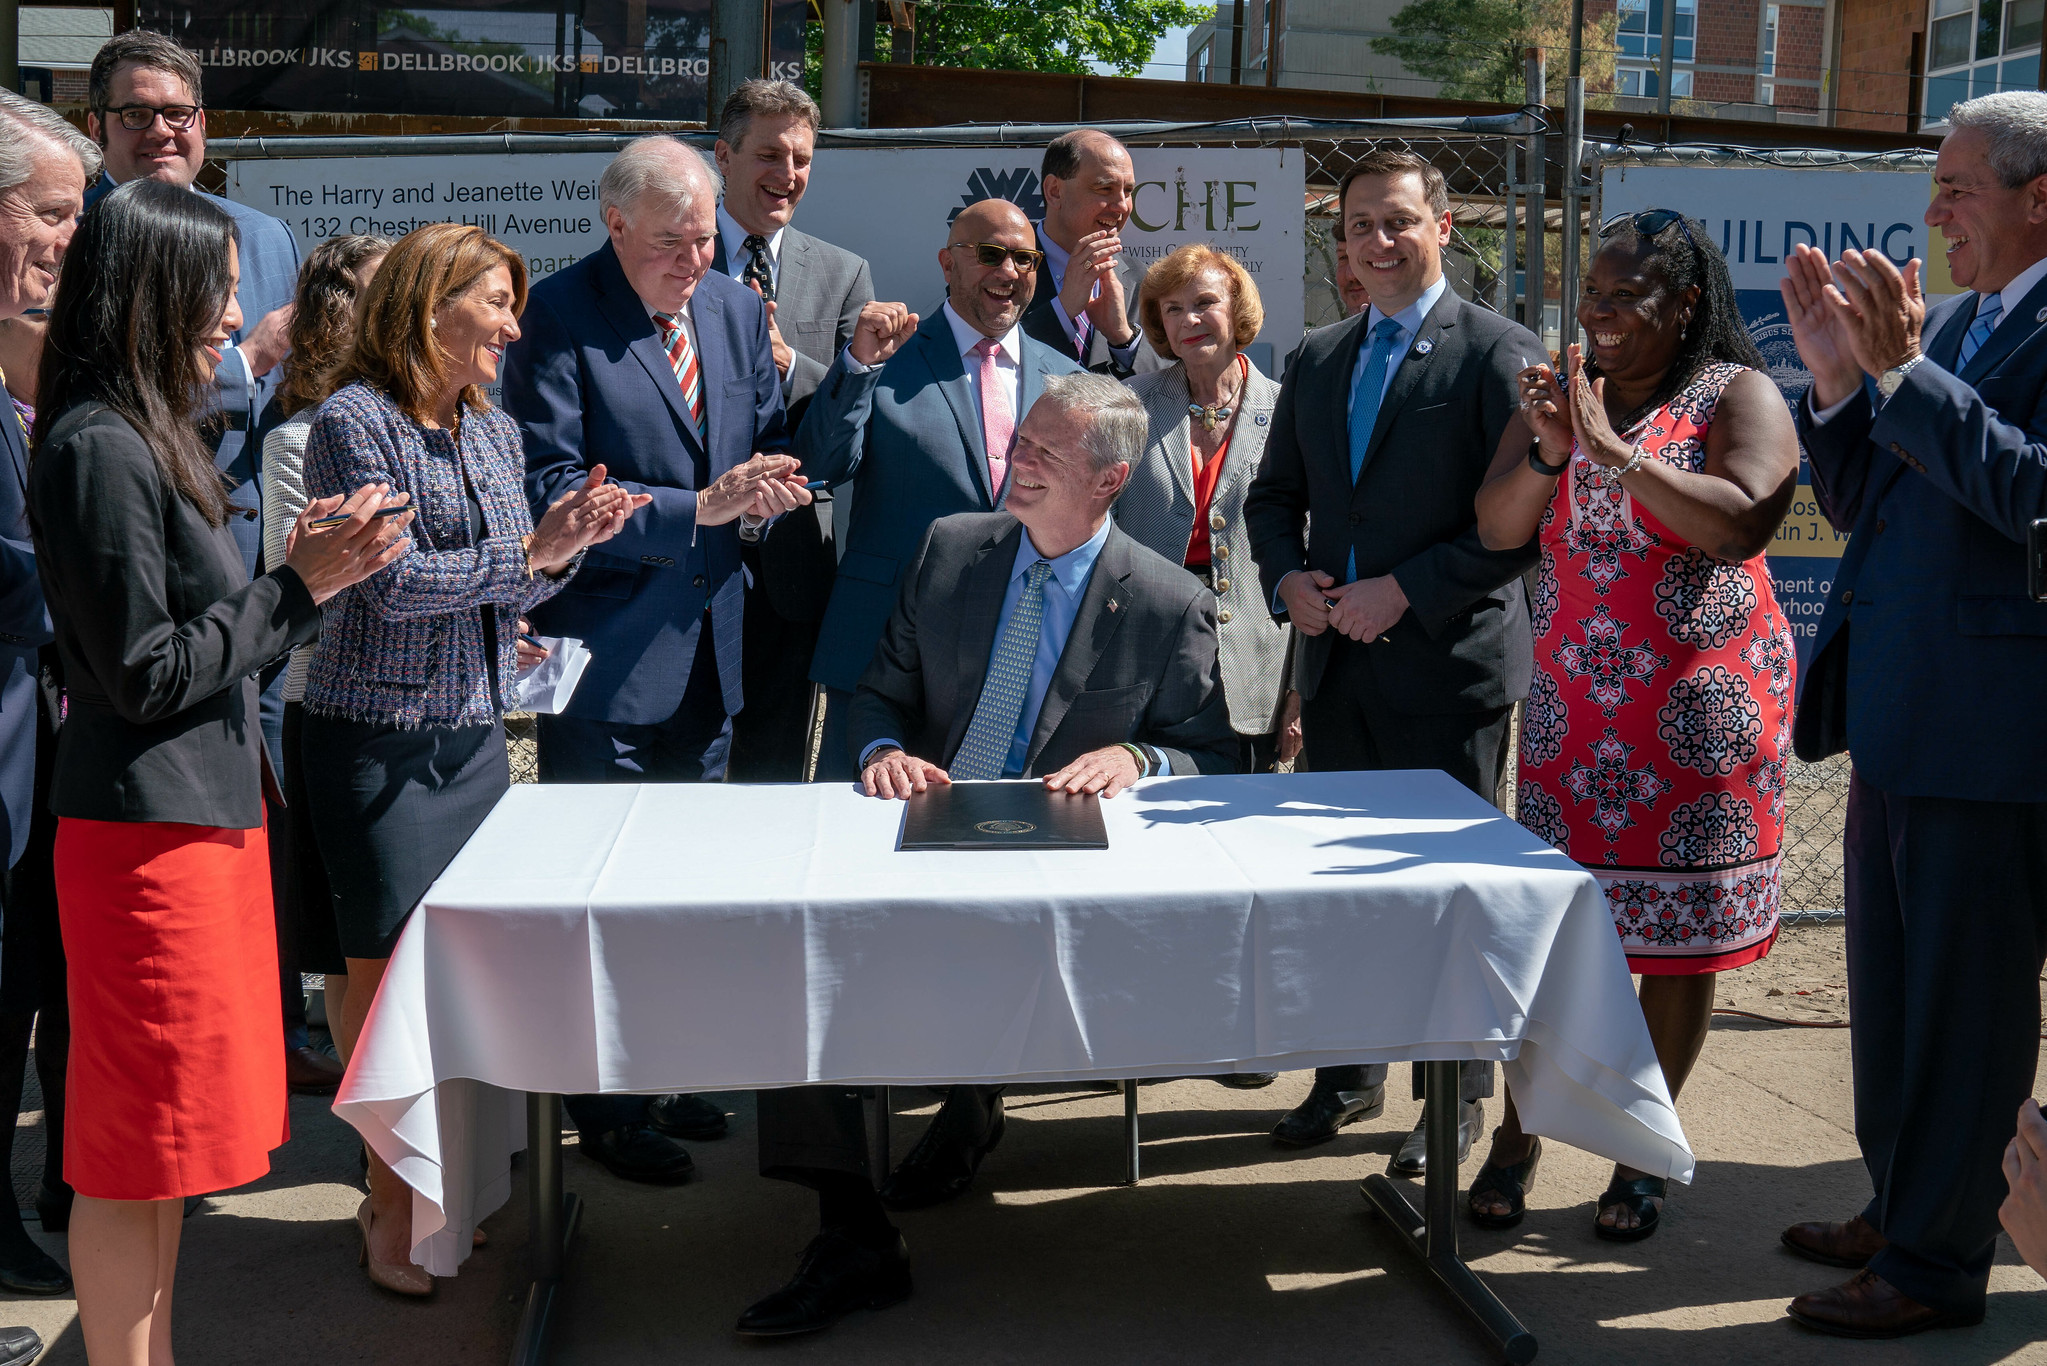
<point x="1175" y="206"/>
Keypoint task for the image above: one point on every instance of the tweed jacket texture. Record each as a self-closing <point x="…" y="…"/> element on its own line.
<point x="1156" y="510"/>
<point x="405" y="646"/>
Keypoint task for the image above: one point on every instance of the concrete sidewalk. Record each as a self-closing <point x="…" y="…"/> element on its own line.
<point x="1231" y="1251"/>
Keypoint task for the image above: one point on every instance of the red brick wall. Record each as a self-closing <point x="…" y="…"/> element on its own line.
<point x="1801" y="38"/>
<point x="1875" y="57"/>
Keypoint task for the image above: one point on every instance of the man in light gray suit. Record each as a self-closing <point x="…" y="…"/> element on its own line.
<point x="923" y="417"/>
<point x="1085" y="307"/>
<point x="1039" y="641"/>
<point x="814" y="293"/>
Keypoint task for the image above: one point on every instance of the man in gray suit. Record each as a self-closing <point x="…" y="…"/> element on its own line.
<point x="1085" y="307"/>
<point x="1415" y="640"/>
<point x="814" y="292"/>
<point x="923" y="416"/>
<point x="1037" y="642"/>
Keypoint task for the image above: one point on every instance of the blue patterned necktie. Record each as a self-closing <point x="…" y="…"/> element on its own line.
<point x="1364" y="408"/>
<point x="1988" y="311"/>
<point x="985" y="750"/>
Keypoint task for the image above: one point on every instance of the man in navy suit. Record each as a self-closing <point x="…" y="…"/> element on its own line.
<point x="45" y="165"/>
<point x="1085" y="307"/>
<point x="643" y="359"/>
<point x="924" y="416"/>
<point x="1927" y="667"/>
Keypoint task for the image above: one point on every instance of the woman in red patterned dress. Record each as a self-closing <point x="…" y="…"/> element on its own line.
<point x="1658" y="724"/>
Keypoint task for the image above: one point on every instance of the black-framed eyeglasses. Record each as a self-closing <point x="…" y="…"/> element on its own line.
<point x="992" y="254"/>
<point x="1648" y="223"/>
<point x="136" y="117"/>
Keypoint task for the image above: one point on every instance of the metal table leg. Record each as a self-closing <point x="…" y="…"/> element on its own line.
<point x="552" y="1217"/>
<point x="1130" y="1132"/>
<point x="880" y="1158"/>
<point x="1431" y="1232"/>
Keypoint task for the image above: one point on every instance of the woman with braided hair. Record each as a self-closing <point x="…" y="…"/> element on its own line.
<point x="1658" y="723"/>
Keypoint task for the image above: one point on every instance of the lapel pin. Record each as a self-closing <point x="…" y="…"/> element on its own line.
<point x="2041" y="316"/>
<point x="1260" y="419"/>
<point x="1424" y="346"/>
<point x="1112" y="604"/>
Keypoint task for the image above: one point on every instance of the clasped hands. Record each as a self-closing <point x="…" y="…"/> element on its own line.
<point x="892" y="773"/>
<point x="1092" y="264"/>
<point x="765" y="486"/>
<point x="1860" y="315"/>
<point x="1363" y="610"/>
<point x="1561" y="420"/>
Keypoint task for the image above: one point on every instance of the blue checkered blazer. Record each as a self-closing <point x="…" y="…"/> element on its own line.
<point x="405" y="646"/>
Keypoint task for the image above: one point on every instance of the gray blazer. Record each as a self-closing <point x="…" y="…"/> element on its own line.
<point x="820" y="290"/>
<point x="1139" y="665"/>
<point x="1157" y="510"/>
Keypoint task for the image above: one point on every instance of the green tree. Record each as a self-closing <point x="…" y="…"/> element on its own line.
<point x="1477" y="49"/>
<point x="1028" y="35"/>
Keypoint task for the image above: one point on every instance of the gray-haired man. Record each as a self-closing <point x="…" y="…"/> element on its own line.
<point x="1122" y="682"/>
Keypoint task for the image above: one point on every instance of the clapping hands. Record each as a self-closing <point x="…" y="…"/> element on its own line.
<point x="590" y="513"/>
<point x="1860" y="315"/>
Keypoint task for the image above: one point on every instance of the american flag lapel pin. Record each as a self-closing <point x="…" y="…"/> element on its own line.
<point x="1112" y="604"/>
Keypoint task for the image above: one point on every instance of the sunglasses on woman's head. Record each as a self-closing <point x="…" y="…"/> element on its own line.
<point x="1648" y="223"/>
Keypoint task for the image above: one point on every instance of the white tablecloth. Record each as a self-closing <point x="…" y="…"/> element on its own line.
<point x="715" y="938"/>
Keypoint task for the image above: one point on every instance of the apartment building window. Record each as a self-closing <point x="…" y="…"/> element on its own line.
<point x="1766" y="58"/>
<point x="1637" y="67"/>
<point x="1975" y="47"/>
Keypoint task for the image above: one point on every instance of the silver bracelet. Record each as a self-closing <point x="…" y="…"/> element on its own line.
<point x="1612" y="477"/>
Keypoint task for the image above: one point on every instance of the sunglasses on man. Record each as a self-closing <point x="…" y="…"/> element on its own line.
<point x="137" y="117"/>
<point x="992" y="254"/>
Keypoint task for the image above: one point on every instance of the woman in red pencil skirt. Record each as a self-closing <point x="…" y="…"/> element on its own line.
<point x="163" y="879"/>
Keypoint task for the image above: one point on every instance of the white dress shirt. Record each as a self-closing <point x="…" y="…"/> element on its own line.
<point x="1056" y="258"/>
<point x="731" y="236"/>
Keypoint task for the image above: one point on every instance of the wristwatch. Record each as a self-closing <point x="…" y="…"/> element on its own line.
<point x="1887" y="383"/>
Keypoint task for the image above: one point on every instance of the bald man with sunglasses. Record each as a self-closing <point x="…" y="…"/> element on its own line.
<point x="923" y="414"/>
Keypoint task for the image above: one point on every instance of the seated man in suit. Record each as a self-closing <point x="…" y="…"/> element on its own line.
<point x="1085" y="307"/>
<point x="644" y="359"/>
<point x="923" y="415"/>
<point x="1101" y="668"/>
<point x="814" y="293"/>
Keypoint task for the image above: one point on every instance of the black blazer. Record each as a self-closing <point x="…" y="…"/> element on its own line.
<point x="1139" y="665"/>
<point x="1464" y="644"/>
<point x="160" y="631"/>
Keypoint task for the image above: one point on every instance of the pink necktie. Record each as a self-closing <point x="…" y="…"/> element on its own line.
<point x="998" y="415"/>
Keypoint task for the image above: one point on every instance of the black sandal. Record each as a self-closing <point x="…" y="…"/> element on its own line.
<point x="1511" y="1183"/>
<point x="1633" y="1196"/>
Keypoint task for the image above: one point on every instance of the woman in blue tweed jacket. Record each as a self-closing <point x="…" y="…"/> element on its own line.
<point x="403" y="745"/>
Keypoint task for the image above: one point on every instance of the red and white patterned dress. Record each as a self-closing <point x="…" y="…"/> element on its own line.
<point x="1658" y="726"/>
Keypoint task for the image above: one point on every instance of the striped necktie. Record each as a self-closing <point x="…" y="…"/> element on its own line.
<point x="984" y="753"/>
<point x="1988" y="311"/>
<point x="683" y="357"/>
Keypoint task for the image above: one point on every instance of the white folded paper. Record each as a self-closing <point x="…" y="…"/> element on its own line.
<point x="548" y="685"/>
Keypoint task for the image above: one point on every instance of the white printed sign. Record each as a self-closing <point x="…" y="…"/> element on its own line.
<point x="889" y="206"/>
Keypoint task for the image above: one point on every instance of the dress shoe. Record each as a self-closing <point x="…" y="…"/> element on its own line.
<point x="836" y="1276"/>
<point x="19" y="1346"/>
<point x="400" y="1278"/>
<point x="309" y="1072"/>
<point x="1327" y="1109"/>
<point x="1868" y="1306"/>
<point x="640" y="1152"/>
<point x="1850" y="1244"/>
<point x="53" y="1208"/>
<point x="686" y="1117"/>
<point x="1248" y="1081"/>
<point x="28" y="1270"/>
<point x="1413" y="1157"/>
<point x="942" y="1165"/>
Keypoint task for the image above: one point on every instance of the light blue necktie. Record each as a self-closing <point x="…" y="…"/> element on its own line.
<point x="1364" y="408"/>
<point x="1988" y="311"/>
<point x="985" y="749"/>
